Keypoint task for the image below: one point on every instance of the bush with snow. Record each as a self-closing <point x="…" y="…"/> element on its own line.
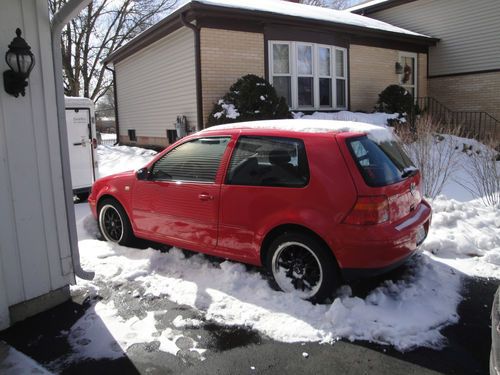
<point x="250" y="98"/>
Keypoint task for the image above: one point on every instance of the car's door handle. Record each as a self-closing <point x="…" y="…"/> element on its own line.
<point x="205" y="197"/>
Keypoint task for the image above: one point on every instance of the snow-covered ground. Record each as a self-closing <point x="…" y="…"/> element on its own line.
<point x="406" y="313"/>
<point x="15" y="363"/>
<point x="114" y="159"/>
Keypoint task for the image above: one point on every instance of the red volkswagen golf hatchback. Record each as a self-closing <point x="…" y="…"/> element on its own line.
<point x="316" y="202"/>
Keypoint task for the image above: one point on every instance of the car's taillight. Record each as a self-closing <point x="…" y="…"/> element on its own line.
<point x="94" y="142"/>
<point x="369" y="211"/>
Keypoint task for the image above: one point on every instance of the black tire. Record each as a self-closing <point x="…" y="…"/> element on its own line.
<point x="302" y="264"/>
<point x="82" y="197"/>
<point x="114" y="224"/>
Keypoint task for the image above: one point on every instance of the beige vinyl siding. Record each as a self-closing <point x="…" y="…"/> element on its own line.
<point x="469" y="32"/>
<point x="157" y="84"/>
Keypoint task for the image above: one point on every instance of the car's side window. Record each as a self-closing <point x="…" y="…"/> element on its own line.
<point x="268" y="161"/>
<point x="196" y="160"/>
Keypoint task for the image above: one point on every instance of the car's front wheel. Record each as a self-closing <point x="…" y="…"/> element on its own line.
<point x="113" y="222"/>
<point x="303" y="265"/>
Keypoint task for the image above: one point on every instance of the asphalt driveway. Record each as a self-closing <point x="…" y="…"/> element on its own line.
<point x="238" y="350"/>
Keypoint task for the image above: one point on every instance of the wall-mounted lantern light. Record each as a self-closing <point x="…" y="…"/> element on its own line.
<point x="21" y="61"/>
<point x="399" y="68"/>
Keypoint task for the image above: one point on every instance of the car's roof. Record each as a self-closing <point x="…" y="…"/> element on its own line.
<point x="379" y="133"/>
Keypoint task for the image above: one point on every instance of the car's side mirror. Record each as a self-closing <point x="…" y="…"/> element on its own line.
<point x="142" y="174"/>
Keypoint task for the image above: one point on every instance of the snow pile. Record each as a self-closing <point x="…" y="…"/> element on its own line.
<point x="108" y="136"/>
<point x="466" y="236"/>
<point x="377" y="133"/>
<point x="376" y="118"/>
<point x="228" y="110"/>
<point x="402" y="313"/>
<point x="15" y="363"/>
<point x="115" y="159"/>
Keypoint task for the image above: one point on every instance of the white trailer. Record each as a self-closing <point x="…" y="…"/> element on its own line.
<point x="82" y="142"/>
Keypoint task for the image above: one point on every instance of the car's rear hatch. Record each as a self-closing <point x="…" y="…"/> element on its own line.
<point x="386" y="177"/>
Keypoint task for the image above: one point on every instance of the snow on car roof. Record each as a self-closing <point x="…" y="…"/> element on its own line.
<point x="308" y="11"/>
<point x="374" y="132"/>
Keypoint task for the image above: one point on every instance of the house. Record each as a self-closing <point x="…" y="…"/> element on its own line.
<point x="464" y="67"/>
<point x="38" y="245"/>
<point x="317" y="58"/>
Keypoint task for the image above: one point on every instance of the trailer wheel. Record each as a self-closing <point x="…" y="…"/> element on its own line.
<point x="82" y="197"/>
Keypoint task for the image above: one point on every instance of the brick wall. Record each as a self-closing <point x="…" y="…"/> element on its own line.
<point x="145" y="141"/>
<point x="226" y="56"/>
<point x="472" y="92"/>
<point x="423" y="82"/>
<point x="372" y="70"/>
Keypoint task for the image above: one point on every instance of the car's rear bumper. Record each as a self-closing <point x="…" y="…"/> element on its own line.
<point x="349" y="274"/>
<point x="372" y="250"/>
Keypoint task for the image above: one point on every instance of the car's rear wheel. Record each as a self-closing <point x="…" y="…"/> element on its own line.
<point x="114" y="223"/>
<point x="303" y="265"/>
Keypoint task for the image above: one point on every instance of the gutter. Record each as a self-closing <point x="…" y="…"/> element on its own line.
<point x="115" y="98"/>
<point x="197" y="63"/>
<point x="67" y="12"/>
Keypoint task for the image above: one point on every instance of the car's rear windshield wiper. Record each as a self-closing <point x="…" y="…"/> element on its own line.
<point x="409" y="172"/>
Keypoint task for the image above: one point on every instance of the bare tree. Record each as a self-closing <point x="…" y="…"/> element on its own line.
<point x="483" y="171"/>
<point x="434" y="148"/>
<point x="100" y="29"/>
<point x="335" y="4"/>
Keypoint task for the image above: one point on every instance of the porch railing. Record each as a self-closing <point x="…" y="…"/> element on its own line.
<point x="472" y="124"/>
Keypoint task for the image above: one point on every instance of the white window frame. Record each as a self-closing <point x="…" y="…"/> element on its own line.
<point x="292" y="48"/>
<point x="314" y="74"/>
<point x="343" y="77"/>
<point x="291" y="56"/>
<point x="319" y="75"/>
<point x="414" y="56"/>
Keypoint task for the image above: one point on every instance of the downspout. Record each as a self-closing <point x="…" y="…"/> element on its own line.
<point x="115" y="98"/>
<point x="197" y="58"/>
<point x="67" y="12"/>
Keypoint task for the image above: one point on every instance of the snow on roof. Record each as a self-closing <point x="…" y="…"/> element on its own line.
<point x="77" y="101"/>
<point x="365" y="4"/>
<point x="374" y="132"/>
<point x="308" y="11"/>
<point x="276" y="7"/>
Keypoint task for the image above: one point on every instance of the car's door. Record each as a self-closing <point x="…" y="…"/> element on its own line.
<point x="178" y="203"/>
<point x="265" y="181"/>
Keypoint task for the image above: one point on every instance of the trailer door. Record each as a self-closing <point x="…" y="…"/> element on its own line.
<point x="80" y="147"/>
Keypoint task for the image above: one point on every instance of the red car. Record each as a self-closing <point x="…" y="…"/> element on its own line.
<point x="313" y="202"/>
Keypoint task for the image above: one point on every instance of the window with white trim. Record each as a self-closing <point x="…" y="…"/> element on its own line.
<point x="309" y="76"/>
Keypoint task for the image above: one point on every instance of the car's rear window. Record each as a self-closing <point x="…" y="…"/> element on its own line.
<point x="382" y="163"/>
